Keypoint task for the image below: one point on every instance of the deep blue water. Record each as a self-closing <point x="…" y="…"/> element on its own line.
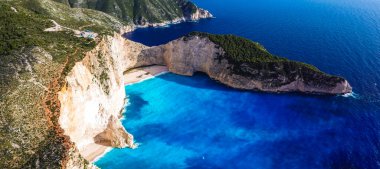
<point x="194" y="122"/>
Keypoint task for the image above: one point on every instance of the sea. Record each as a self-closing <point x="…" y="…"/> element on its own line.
<point x="197" y="123"/>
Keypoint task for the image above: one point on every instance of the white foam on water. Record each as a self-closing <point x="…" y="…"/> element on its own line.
<point x="352" y="94"/>
<point x="102" y="155"/>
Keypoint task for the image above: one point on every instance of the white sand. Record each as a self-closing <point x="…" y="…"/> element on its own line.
<point x="94" y="151"/>
<point x="141" y="74"/>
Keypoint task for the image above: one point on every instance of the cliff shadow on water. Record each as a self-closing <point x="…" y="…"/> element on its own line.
<point x="135" y="103"/>
<point x="203" y="77"/>
<point x="199" y="83"/>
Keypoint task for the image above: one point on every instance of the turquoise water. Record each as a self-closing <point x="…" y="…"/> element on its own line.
<point x="194" y="122"/>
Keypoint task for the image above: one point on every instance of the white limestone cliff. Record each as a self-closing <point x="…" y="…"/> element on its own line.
<point x="94" y="98"/>
<point x="197" y="15"/>
<point x="200" y="14"/>
<point x="186" y="56"/>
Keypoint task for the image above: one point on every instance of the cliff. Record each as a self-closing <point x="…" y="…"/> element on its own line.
<point x="96" y="84"/>
<point x="145" y="12"/>
<point x="34" y="66"/>
<point x="60" y="92"/>
<point x="241" y="64"/>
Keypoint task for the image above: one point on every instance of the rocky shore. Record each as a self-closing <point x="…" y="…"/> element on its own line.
<point x="199" y="14"/>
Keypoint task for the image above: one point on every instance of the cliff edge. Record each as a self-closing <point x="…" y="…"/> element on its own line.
<point x="242" y="64"/>
<point x="93" y="98"/>
<point x="145" y="12"/>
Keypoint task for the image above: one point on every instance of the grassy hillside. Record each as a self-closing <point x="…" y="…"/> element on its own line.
<point x="139" y="11"/>
<point x="33" y="64"/>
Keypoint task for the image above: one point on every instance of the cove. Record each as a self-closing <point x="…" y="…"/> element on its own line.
<point x="194" y="122"/>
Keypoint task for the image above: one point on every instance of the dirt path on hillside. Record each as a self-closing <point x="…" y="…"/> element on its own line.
<point x="89" y="25"/>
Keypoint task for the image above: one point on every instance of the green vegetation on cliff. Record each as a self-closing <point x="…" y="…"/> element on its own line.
<point x="240" y="49"/>
<point x="252" y="59"/>
<point x="33" y="65"/>
<point x="139" y="11"/>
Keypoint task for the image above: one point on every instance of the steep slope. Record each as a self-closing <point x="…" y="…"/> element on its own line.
<point x="96" y="84"/>
<point x="145" y="12"/>
<point x="241" y="64"/>
<point x="33" y="68"/>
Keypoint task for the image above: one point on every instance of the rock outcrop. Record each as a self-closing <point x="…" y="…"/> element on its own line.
<point x="197" y="53"/>
<point x="145" y="12"/>
<point x="114" y="135"/>
<point x="199" y="14"/>
<point x="94" y="98"/>
<point x="191" y="16"/>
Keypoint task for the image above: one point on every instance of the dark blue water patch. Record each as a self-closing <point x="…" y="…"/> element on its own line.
<point x="194" y="122"/>
<point x="135" y="102"/>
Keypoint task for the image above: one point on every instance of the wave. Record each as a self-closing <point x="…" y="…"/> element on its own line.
<point x="352" y="94"/>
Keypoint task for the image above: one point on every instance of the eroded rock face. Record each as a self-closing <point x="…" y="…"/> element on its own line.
<point x="94" y="96"/>
<point x="145" y="12"/>
<point x="200" y="14"/>
<point x="197" y="15"/>
<point x="114" y="135"/>
<point x="198" y="54"/>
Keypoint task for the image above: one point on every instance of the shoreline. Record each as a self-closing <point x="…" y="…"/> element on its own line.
<point x="93" y="152"/>
<point x="169" y="23"/>
<point x="144" y="73"/>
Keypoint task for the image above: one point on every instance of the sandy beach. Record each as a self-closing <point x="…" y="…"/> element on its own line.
<point x="93" y="152"/>
<point x="141" y="74"/>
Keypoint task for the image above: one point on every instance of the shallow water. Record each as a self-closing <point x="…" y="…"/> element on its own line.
<point x="194" y="122"/>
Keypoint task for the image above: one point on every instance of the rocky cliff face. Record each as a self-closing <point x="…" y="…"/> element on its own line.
<point x="34" y="66"/>
<point x="198" y="14"/>
<point x="199" y="54"/>
<point x="93" y="98"/>
<point x="145" y="12"/>
<point x="58" y="92"/>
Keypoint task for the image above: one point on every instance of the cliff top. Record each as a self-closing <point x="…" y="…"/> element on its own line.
<point x="139" y="12"/>
<point x="243" y="52"/>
